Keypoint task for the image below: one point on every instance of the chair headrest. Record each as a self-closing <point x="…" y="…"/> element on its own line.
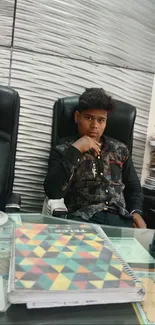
<point x="8" y="108"/>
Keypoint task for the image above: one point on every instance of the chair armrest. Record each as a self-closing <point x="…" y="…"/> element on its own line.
<point x="13" y="203"/>
<point x="57" y="207"/>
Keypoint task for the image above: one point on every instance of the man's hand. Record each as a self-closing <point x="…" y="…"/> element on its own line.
<point x="138" y="221"/>
<point x="86" y="143"/>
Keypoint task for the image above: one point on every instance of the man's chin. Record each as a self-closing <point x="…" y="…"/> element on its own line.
<point x="94" y="136"/>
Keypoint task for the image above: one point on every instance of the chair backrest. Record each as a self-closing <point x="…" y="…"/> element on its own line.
<point x="120" y="122"/>
<point x="9" y="118"/>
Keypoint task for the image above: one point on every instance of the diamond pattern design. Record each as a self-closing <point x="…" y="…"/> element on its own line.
<point x="63" y="257"/>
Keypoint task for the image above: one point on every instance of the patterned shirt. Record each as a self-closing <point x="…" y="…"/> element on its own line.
<point x="90" y="184"/>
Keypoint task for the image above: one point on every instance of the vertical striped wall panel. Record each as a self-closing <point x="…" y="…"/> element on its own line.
<point x="4" y="65"/>
<point x="6" y="22"/>
<point x="115" y="32"/>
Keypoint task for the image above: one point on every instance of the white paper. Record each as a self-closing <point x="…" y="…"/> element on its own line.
<point x="131" y="250"/>
<point x="4" y="304"/>
<point x="4" y="270"/>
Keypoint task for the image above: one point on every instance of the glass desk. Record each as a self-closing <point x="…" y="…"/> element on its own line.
<point x="137" y="247"/>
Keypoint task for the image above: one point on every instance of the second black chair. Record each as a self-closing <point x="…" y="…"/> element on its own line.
<point x="9" y="118"/>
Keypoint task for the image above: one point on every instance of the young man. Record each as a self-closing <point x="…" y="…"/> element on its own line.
<point x="94" y="173"/>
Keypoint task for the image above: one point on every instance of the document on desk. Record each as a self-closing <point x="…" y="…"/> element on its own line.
<point x="68" y="265"/>
<point x="131" y="250"/>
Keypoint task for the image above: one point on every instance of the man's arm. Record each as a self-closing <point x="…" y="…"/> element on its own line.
<point x="60" y="170"/>
<point x="62" y="164"/>
<point x="132" y="193"/>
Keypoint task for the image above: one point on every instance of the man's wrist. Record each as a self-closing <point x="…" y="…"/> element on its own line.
<point x="136" y="211"/>
<point x="76" y="145"/>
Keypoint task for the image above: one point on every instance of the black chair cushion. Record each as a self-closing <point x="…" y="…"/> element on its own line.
<point x="8" y="101"/>
<point x="4" y="165"/>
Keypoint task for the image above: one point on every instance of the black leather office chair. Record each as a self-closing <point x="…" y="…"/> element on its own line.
<point x="9" y="117"/>
<point x="120" y="126"/>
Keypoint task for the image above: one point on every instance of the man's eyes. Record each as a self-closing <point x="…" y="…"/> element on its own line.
<point x="101" y="120"/>
<point x="89" y="118"/>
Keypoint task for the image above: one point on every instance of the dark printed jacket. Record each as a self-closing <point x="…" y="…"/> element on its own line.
<point x="90" y="184"/>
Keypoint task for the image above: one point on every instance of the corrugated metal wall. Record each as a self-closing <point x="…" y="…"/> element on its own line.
<point x="51" y="49"/>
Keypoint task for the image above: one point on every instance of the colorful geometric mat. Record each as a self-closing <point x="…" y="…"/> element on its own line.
<point x="62" y="257"/>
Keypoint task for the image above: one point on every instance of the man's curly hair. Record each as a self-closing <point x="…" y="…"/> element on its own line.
<point x="95" y="98"/>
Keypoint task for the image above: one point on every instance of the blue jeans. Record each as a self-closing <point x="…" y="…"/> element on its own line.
<point x="107" y="218"/>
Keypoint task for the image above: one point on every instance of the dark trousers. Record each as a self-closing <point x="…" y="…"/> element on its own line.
<point x="107" y="218"/>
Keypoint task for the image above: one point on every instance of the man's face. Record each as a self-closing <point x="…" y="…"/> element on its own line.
<point x="91" y="122"/>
